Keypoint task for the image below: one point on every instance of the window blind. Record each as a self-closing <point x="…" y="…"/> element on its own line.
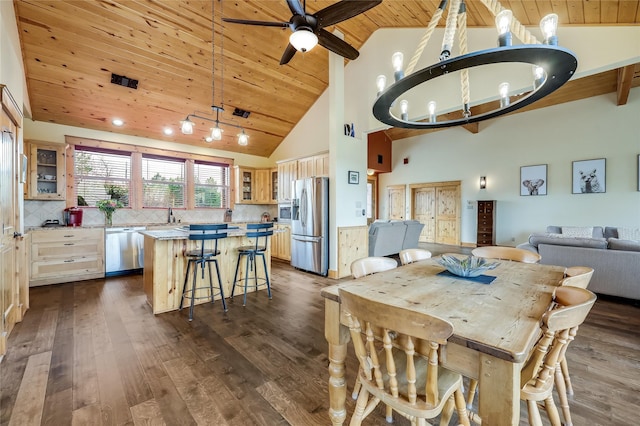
<point x="163" y="182"/>
<point x="211" y="185"/>
<point x="101" y="175"/>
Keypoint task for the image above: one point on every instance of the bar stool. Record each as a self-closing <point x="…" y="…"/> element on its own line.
<point x="261" y="232"/>
<point x="201" y="257"/>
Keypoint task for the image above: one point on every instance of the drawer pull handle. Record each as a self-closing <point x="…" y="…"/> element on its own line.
<point x="69" y="236"/>
<point x="69" y="244"/>
<point x="69" y="261"/>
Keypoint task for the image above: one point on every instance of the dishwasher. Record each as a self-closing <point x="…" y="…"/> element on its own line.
<point x="124" y="251"/>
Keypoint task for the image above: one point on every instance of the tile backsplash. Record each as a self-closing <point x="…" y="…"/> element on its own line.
<point x="37" y="212"/>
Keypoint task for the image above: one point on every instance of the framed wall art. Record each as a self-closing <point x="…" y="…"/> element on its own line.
<point x="533" y="180"/>
<point x="589" y="176"/>
<point x="354" y="177"/>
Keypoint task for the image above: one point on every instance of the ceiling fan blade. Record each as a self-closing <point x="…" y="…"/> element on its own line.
<point x="336" y="45"/>
<point x="343" y="10"/>
<point x="261" y="23"/>
<point x="288" y="54"/>
<point x="295" y="7"/>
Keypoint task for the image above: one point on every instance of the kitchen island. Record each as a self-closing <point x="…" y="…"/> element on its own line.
<point x="165" y="265"/>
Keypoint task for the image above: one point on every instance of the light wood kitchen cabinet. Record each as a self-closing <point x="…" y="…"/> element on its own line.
<point x="287" y="172"/>
<point x="46" y="178"/>
<point x="306" y="168"/>
<point x="262" y="187"/>
<point x="245" y="181"/>
<point x="253" y="186"/>
<point x="66" y="254"/>
<point x="281" y="242"/>
<point x="321" y="164"/>
<point x="274" y="186"/>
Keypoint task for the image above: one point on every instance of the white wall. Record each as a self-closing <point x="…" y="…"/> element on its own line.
<point x="586" y="129"/>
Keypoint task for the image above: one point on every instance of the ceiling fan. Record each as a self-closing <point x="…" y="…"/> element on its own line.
<point x="308" y="29"/>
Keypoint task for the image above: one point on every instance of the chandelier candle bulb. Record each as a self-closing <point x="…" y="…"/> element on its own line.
<point x="381" y="83"/>
<point x="503" y="89"/>
<point x="398" y="61"/>
<point x="404" y="109"/>
<point x="549" y="27"/>
<point x="538" y="76"/>
<point x="431" y="106"/>
<point x="503" y="24"/>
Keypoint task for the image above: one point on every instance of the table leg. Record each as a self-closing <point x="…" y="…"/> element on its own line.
<point x="499" y="377"/>
<point x="337" y="336"/>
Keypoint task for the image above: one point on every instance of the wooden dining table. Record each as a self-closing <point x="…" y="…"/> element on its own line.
<point x="495" y="326"/>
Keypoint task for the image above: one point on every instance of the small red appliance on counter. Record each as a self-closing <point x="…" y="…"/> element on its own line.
<point x="73" y="216"/>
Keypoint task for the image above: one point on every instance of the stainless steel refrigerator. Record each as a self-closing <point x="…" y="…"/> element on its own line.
<point x="310" y="225"/>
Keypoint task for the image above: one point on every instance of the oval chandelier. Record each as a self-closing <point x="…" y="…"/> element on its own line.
<point x="552" y="66"/>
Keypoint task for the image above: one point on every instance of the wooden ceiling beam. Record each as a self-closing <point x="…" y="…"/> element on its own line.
<point x="625" y="76"/>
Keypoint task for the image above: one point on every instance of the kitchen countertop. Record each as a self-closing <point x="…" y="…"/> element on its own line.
<point x="181" y="233"/>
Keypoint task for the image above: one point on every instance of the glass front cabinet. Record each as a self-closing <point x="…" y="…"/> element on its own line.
<point x="46" y="172"/>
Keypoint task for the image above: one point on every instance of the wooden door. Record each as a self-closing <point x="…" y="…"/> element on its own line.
<point x="448" y="215"/>
<point x="437" y="206"/>
<point x="424" y="211"/>
<point x="396" y="202"/>
<point x="8" y="279"/>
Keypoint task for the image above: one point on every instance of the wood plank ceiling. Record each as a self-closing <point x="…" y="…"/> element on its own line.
<point x="71" y="48"/>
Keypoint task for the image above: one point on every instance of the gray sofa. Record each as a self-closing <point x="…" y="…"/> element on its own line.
<point x="616" y="262"/>
<point x="387" y="237"/>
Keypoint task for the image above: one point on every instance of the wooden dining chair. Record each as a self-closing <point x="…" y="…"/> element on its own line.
<point x="576" y="276"/>
<point x="363" y="267"/>
<point x="414" y="385"/>
<point x="371" y="265"/>
<point x="506" y="253"/>
<point x="502" y="253"/>
<point x="542" y="370"/>
<point x="413" y="255"/>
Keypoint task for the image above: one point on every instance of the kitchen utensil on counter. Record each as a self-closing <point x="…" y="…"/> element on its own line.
<point x="227" y="215"/>
<point x="51" y="223"/>
<point x="266" y="217"/>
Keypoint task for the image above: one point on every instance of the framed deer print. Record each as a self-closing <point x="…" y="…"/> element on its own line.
<point x="533" y="180"/>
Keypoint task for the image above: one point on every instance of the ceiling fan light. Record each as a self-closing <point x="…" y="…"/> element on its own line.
<point x="303" y="40"/>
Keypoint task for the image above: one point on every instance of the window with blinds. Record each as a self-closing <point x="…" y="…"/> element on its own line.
<point x="211" y="184"/>
<point x="163" y="182"/>
<point x="101" y="175"/>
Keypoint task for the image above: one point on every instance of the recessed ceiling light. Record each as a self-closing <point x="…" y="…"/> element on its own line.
<point x="117" y="122"/>
<point x="168" y="131"/>
<point x="208" y="139"/>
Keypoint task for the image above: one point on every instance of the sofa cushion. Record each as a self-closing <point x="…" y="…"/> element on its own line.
<point x="578" y="231"/>
<point x="610" y="232"/>
<point x="619" y="244"/>
<point x="564" y="240"/>
<point x="632" y="234"/>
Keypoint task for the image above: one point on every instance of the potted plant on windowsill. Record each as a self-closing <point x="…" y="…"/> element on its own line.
<point x="108" y="207"/>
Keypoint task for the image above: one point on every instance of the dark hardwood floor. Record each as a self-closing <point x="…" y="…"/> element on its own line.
<point x="91" y="353"/>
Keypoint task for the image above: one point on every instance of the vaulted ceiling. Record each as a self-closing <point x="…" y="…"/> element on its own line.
<point x="71" y="49"/>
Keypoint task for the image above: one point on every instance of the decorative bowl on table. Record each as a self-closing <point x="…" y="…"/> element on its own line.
<point x="469" y="266"/>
